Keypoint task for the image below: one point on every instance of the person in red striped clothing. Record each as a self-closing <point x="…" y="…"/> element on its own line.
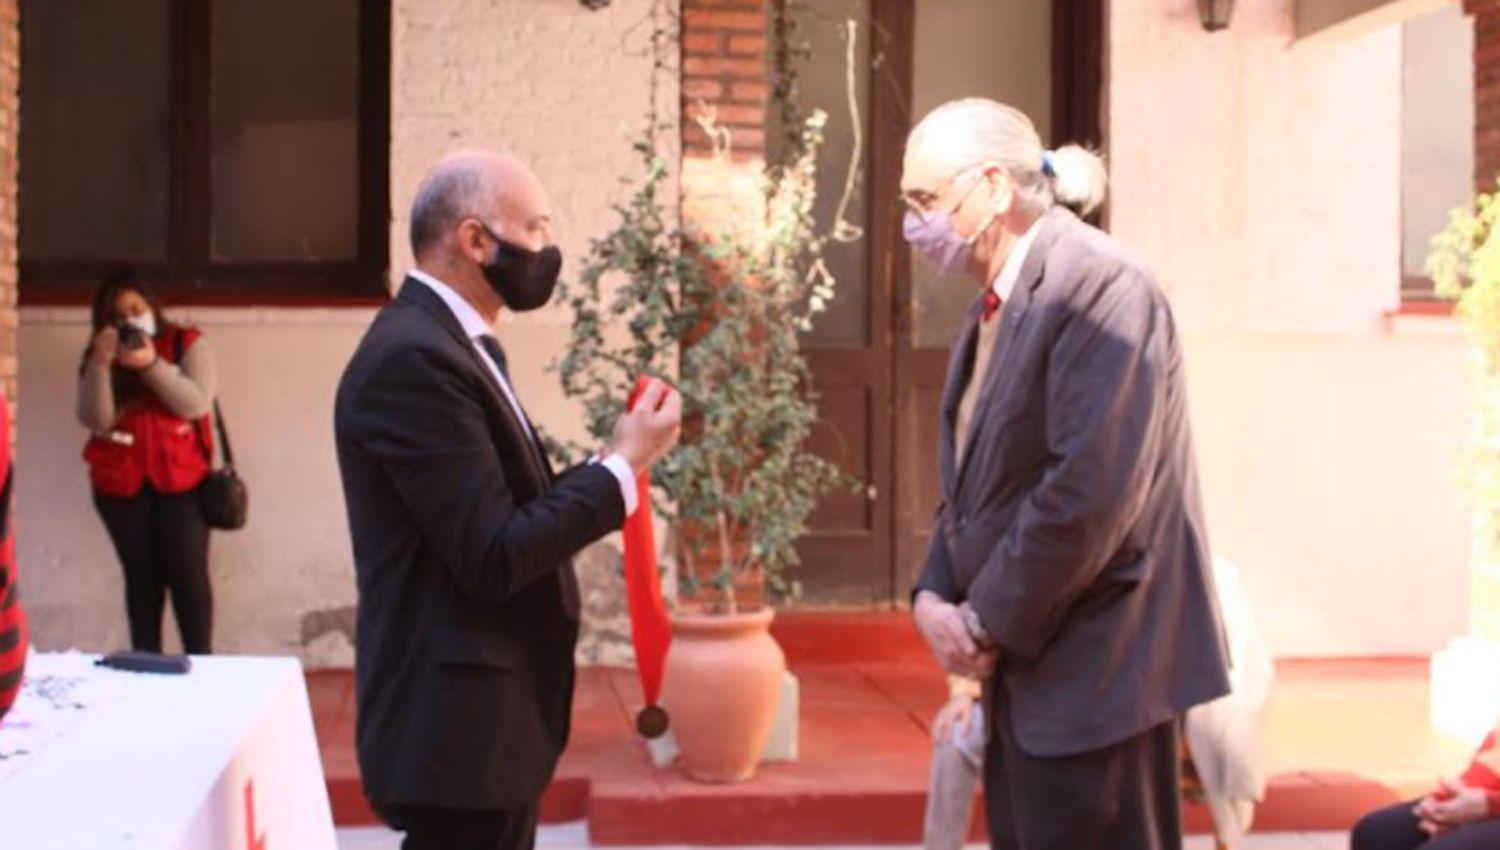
<point x="13" y="637"/>
<point x="1460" y="814"/>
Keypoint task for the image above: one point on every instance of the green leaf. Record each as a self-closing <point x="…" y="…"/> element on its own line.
<point x="719" y="314"/>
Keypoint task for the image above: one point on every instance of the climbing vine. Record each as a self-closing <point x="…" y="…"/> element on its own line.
<point x="719" y="309"/>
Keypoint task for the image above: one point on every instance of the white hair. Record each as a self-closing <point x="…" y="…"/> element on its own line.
<point x="973" y="131"/>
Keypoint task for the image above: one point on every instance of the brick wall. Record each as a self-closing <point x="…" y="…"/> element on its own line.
<point x="724" y="75"/>
<point x="1486" y="91"/>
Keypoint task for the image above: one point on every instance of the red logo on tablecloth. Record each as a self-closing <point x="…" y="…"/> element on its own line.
<point x="252" y="842"/>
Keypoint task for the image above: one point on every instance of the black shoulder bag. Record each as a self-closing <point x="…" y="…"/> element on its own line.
<point x="222" y="496"/>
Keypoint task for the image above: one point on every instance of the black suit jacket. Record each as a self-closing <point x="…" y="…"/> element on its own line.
<point x="1073" y="527"/>
<point x="468" y="604"/>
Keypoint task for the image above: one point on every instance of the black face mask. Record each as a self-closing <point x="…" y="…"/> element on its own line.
<point x="524" y="280"/>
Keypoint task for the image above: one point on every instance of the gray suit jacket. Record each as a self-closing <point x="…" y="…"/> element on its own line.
<point x="1073" y="527"/>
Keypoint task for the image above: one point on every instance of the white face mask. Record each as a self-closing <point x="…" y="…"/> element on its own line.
<point x="145" y="323"/>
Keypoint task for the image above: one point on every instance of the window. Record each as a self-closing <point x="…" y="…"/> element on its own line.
<point x="229" y="150"/>
<point x="1437" y="135"/>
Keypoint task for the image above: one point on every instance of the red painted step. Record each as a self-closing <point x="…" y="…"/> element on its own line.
<point x="1347" y="736"/>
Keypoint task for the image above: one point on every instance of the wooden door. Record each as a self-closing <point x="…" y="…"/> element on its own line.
<point x="847" y="558"/>
<point x="881" y="382"/>
<point x="1052" y="69"/>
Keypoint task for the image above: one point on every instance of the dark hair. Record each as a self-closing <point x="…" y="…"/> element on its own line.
<point x="115" y="284"/>
<point x="127" y="385"/>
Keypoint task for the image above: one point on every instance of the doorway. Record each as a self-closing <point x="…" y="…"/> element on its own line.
<point x="879" y="354"/>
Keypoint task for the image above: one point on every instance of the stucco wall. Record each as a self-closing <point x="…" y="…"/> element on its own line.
<point x="1259" y="176"/>
<point x="278" y="370"/>
<point x="1261" y="179"/>
<point x="556" y="83"/>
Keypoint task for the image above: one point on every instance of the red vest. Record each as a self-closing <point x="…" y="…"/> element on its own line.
<point x="13" y="638"/>
<point x="149" y="443"/>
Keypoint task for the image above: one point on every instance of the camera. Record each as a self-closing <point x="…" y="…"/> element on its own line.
<point x="131" y="337"/>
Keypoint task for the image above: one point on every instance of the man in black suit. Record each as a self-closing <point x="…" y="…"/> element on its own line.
<point x="463" y="536"/>
<point x="1069" y="558"/>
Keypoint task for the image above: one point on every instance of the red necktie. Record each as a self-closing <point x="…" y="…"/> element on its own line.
<point x="991" y="304"/>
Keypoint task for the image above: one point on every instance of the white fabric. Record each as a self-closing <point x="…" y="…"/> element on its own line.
<point x="626" y="476"/>
<point x="475" y="327"/>
<point x="1010" y="271"/>
<point x="224" y="756"/>
<point x="145" y="323"/>
<point x="957" y="767"/>
<point x="984" y="343"/>
<point x="971" y="736"/>
<point x="1226" y="737"/>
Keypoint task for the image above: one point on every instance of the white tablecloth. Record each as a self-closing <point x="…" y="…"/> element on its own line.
<point x="223" y="758"/>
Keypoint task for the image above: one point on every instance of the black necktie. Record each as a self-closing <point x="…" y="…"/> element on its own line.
<point x="492" y="347"/>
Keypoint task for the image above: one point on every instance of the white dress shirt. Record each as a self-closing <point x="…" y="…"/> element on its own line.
<point x="1010" y="271"/>
<point x="1003" y="285"/>
<point x="476" y="327"/>
<point x="989" y="331"/>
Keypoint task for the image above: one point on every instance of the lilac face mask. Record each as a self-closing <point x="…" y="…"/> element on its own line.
<point x="933" y="235"/>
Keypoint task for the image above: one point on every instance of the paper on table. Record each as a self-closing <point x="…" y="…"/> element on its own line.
<point x="59" y="693"/>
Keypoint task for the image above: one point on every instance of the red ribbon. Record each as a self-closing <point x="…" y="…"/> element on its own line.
<point x="650" y="630"/>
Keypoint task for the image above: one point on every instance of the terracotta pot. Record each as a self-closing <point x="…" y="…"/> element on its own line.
<point x="722" y="684"/>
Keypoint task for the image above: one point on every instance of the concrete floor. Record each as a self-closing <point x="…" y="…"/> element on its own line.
<point x="570" y="836"/>
<point x="574" y="836"/>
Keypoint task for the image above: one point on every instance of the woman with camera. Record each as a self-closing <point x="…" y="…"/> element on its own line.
<point x="145" y="392"/>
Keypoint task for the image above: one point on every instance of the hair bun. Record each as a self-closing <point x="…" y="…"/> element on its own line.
<point x="1079" y="178"/>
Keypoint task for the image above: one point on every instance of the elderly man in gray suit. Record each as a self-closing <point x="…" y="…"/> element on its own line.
<point x="1069" y="565"/>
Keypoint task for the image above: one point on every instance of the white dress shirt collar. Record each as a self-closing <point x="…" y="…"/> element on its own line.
<point x="475" y="327"/>
<point x="1010" y="272"/>
<point x="468" y="318"/>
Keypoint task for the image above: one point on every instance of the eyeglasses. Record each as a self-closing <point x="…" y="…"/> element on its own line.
<point x="920" y="206"/>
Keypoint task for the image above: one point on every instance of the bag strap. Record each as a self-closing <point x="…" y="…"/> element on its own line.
<point x="223" y="437"/>
<point x="218" y="419"/>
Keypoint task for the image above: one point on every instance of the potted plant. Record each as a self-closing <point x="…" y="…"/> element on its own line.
<point x="717" y="309"/>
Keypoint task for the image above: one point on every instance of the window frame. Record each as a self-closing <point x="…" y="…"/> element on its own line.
<point x="1417" y="292"/>
<point x="189" y="275"/>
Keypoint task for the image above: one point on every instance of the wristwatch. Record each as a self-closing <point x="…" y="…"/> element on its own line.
<point x="974" y="627"/>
